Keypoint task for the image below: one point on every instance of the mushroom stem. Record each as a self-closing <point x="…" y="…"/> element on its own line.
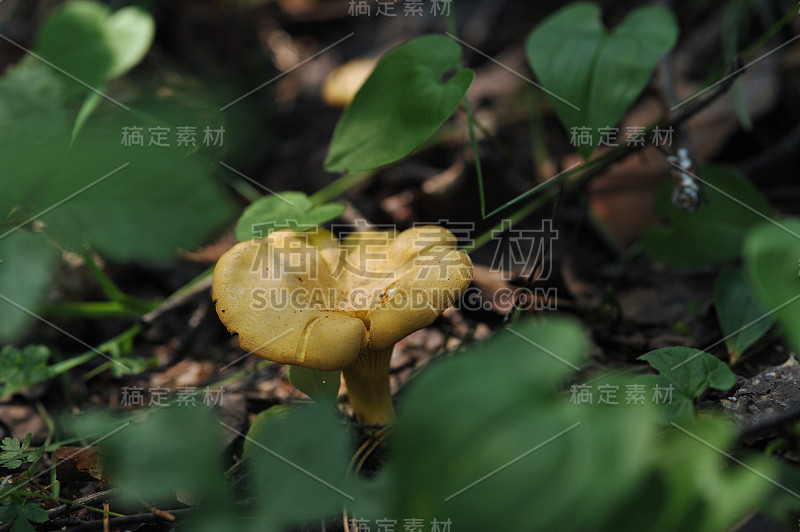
<point x="368" y="387"/>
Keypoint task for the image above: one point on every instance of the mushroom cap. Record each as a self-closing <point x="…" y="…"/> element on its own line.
<point x="307" y="299"/>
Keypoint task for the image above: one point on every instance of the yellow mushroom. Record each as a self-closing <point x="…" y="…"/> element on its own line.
<point x="310" y="300"/>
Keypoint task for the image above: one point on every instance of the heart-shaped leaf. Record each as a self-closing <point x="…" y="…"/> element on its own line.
<point x="741" y="316"/>
<point x="130" y="33"/>
<point x="715" y="232"/>
<point x="287" y="209"/>
<point x="689" y="372"/>
<point x="772" y="260"/>
<point x="594" y="76"/>
<point x="403" y="102"/>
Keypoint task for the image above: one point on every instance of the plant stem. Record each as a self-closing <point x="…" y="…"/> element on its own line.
<point x="368" y="387"/>
<point x="339" y="186"/>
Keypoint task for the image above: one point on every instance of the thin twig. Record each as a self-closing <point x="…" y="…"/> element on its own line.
<point x="89" y="500"/>
<point x="76" y="525"/>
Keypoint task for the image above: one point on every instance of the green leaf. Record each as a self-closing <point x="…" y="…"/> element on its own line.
<point x="318" y="385"/>
<point x="402" y="103"/>
<point x="715" y="232"/>
<point x="27" y="262"/>
<point x="264" y="422"/>
<point x="74" y="39"/>
<point x="85" y="40"/>
<point x="501" y="422"/>
<point x="33" y="139"/>
<point x="26" y="442"/>
<point x="15" y="455"/>
<point x="741" y="316"/>
<point x="22" y="525"/>
<point x="132" y="203"/>
<point x="593" y="76"/>
<point x="690" y="372"/>
<point x="174" y="448"/>
<point x="130" y="33"/>
<point x="33" y="512"/>
<point x="7" y="513"/>
<point x="772" y="264"/>
<point x="299" y="468"/>
<point x="492" y="425"/>
<point x="287" y="209"/>
<point x="11" y="444"/>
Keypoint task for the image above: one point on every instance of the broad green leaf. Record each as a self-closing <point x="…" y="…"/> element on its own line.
<point x="702" y="492"/>
<point x="299" y="468"/>
<point x="264" y="422"/>
<point x="471" y="415"/>
<point x="132" y="203"/>
<point x="715" y="232"/>
<point x="592" y="75"/>
<point x="27" y="262"/>
<point x="691" y="370"/>
<point x="20" y="368"/>
<point x="687" y="372"/>
<point x="73" y="38"/>
<point x="157" y="201"/>
<point x="318" y="385"/>
<point x="403" y="102"/>
<point x="772" y="263"/>
<point x="85" y="40"/>
<point x="286" y="209"/>
<point x="741" y="315"/>
<point x="173" y="448"/>
<point x="33" y="139"/>
<point x="473" y="429"/>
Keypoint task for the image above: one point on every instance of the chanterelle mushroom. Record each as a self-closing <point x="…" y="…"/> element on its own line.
<point x="309" y="300"/>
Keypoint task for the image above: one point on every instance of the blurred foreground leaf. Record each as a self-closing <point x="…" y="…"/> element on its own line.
<point x="772" y="263"/>
<point x="741" y="315"/>
<point x="84" y="39"/>
<point x="486" y="442"/>
<point x="299" y="466"/>
<point x="27" y="261"/>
